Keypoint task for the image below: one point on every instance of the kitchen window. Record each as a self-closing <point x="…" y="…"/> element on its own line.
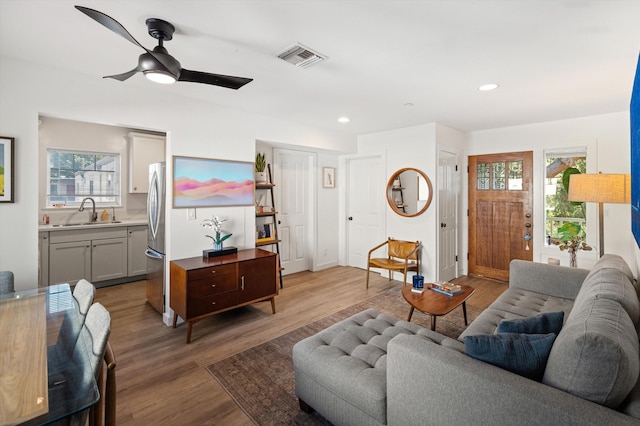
<point x="74" y="175"/>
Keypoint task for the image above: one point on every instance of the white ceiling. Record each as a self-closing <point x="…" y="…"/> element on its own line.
<point x="552" y="59"/>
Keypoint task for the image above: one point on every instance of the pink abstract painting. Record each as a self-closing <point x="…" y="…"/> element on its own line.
<point x="202" y="182"/>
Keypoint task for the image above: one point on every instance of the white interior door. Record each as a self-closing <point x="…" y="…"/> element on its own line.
<point x="365" y="204"/>
<point x="291" y="176"/>
<point x="447" y="214"/>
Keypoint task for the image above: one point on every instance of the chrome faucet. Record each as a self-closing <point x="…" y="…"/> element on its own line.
<point x="94" y="215"/>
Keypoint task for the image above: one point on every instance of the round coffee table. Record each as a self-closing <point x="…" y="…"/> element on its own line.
<point x="436" y="304"/>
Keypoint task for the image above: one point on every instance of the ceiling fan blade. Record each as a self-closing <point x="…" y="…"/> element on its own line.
<point x="110" y="23"/>
<point x="125" y="75"/>
<point x="117" y="28"/>
<point x="227" y="81"/>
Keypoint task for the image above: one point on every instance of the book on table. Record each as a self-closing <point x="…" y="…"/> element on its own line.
<point x="447" y="288"/>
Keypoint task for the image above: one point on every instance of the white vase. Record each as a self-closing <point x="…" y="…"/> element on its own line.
<point x="261" y="177"/>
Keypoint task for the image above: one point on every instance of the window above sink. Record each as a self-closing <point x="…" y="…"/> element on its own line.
<point x="74" y="175"/>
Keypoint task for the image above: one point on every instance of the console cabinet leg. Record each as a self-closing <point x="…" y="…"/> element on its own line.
<point x="189" y="326"/>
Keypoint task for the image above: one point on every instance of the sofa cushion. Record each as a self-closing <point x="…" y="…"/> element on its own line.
<point x="615" y="262"/>
<point x="547" y="322"/>
<point x="523" y="354"/>
<point x="631" y="405"/>
<point x="596" y="355"/>
<point x="613" y="284"/>
<point x="515" y="303"/>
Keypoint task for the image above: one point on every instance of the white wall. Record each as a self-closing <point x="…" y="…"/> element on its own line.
<point x="193" y="129"/>
<point x="607" y="138"/>
<point x="415" y="147"/>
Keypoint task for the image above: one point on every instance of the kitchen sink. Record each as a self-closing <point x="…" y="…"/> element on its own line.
<point x="85" y="223"/>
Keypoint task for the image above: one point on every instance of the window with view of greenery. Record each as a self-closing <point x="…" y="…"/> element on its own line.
<point x="74" y="175"/>
<point x="558" y="210"/>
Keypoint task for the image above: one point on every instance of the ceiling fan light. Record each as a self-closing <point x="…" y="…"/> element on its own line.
<point x="161" y="77"/>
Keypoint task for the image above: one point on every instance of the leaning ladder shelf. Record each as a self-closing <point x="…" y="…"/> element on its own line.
<point x="399" y="190"/>
<point x="272" y="239"/>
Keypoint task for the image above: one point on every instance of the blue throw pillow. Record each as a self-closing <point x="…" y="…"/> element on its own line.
<point x="548" y="322"/>
<point x="523" y="354"/>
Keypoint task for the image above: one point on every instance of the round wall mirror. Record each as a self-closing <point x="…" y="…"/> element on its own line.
<point x="409" y="192"/>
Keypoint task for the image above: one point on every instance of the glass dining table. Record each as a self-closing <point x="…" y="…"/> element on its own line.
<point x="45" y="375"/>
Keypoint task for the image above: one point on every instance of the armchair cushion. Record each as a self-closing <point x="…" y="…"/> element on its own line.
<point x="403" y="249"/>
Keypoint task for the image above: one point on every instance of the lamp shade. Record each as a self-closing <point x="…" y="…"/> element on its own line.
<point x="600" y="188"/>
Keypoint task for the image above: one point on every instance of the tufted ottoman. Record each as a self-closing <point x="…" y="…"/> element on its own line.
<point x="341" y="371"/>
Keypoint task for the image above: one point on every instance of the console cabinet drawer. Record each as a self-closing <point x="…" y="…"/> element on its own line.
<point x="212" y="272"/>
<point x="212" y="285"/>
<point x="208" y="304"/>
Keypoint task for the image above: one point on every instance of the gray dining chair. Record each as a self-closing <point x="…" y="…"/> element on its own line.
<point x="91" y="348"/>
<point x="6" y="282"/>
<point x="83" y="293"/>
<point x="94" y="336"/>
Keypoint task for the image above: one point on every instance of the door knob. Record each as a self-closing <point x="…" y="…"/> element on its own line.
<point x="350" y="217"/>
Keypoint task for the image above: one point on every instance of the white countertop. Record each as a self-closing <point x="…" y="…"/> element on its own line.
<point x="85" y="225"/>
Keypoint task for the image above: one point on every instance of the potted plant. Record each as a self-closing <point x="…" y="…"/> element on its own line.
<point x="216" y="225"/>
<point x="261" y="164"/>
<point x="571" y="238"/>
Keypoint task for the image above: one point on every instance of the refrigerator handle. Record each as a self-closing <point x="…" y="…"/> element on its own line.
<point x="153" y="254"/>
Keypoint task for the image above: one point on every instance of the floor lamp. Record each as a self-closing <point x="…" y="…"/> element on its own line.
<point x="600" y="188"/>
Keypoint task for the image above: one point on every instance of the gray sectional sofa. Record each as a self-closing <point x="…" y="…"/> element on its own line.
<point x="372" y="369"/>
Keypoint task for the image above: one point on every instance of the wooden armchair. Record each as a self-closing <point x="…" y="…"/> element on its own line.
<point x="401" y="256"/>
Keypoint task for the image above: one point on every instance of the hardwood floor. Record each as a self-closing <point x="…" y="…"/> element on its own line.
<point x="162" y="380"/>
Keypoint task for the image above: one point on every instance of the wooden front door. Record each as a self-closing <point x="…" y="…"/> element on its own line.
<point x="500" y="212"/>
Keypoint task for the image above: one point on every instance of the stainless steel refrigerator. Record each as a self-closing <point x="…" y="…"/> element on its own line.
<point x="156" y="250"/>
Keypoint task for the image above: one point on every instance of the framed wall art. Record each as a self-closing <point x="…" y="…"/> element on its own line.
<point x="206" y="182"/>
<point x="328" y="177"/>
<point x="7" y="170"/>
<point x="635" y="156"/>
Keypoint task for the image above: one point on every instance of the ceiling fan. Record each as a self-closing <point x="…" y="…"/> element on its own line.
<point x="157" y="65"/>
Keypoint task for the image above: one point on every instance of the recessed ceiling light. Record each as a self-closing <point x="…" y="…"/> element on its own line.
<point x="487" y="87"/>
<point x="343" y="120"/>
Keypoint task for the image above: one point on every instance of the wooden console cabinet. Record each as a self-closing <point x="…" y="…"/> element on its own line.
<point x="202" y="287"/>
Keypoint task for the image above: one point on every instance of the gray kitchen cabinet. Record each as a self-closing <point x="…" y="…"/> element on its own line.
<point x="96" y="254"/>
<point x="108" y="259"/>
<point x="144" y="149"/>
<point x="69" y="262"/>
<point x="136" y="246"/>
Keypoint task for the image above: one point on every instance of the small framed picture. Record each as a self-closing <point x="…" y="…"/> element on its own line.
<point x="328" y="177"/>
<point x="7" y="171"/>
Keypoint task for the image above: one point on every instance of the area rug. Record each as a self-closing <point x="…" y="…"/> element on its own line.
<point x="261" y="379"/>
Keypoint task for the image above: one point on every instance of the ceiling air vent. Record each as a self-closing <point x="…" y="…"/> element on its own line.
<point x="300" y="56"/>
